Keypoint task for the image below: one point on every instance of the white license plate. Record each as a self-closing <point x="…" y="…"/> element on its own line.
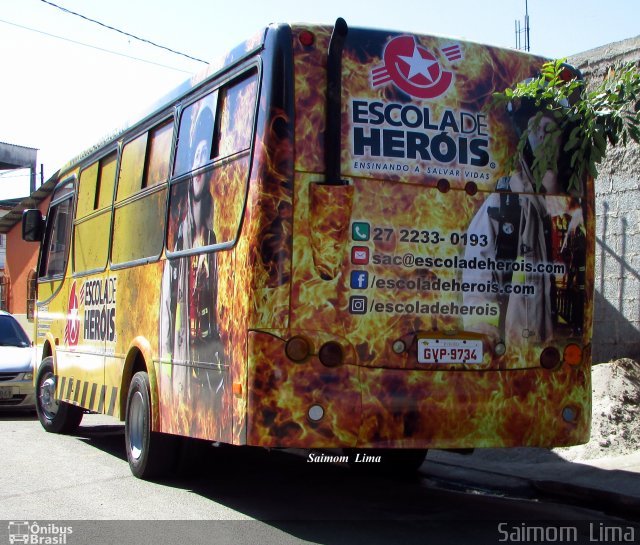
<point x="6" y="393"/>
<point x="449" y="351"/>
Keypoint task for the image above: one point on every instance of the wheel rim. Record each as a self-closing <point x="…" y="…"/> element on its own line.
<point x="46" y="396"/>
<point x="136" y="425"/>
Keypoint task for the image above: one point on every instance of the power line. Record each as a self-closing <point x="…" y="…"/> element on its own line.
<point x="94" y="47"/>
<point x="122" y="32"/>
<point x="6" y="176"/>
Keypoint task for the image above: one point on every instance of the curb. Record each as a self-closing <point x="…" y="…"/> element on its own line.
<point x="592" y="497"/>
<point x="603" y="500"/>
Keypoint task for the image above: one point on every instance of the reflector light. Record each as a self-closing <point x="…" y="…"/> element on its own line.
<point x="297" y="349"/>
<point x="500" y="349"/>
<point x="399" y="347"/>
<point x="443" y="185"/>
<point x="331" y="354"/>
<point x="316" y="412"/>
<point x="569" y="414"/>
<point x="550" y="358"/>
<point x="306" y="38"/>
<point x="572" y="354"/>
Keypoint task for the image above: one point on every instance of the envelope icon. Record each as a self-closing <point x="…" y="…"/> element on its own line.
<point x="360" y="255"/>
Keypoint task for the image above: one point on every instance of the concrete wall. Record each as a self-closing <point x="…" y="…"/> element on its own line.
<point x="616" y="328"/>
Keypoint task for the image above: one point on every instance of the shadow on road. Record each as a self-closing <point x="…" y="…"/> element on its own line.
<point x="13" y="414"/>
<point x="328" y="503"/>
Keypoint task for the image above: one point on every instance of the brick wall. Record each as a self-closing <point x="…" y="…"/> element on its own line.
<point x="616" y="328"/>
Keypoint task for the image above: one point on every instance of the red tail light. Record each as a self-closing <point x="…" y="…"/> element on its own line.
<point x="306" y="38"/>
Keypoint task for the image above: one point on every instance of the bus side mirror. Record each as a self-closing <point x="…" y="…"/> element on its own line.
<point x="32" y="225"/>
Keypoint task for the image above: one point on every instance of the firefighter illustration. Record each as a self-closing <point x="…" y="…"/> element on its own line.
<point x="189" y="332"/>
<point x="518" y="223"/>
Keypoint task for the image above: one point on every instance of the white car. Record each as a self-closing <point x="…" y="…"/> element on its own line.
<point x="16" y="366"/>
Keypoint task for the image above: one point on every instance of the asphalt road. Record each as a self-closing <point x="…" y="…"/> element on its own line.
<point x="246" y="495"/>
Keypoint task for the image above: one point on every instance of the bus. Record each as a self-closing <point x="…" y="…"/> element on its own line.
<point x="321" y="242"/>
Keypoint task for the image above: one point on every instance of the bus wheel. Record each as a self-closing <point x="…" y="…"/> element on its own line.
<point x="55" y="416"/>
<point x="388" y="461"/>
<point x="150" y="454"/>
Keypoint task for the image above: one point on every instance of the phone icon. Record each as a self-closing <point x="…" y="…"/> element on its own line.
<point x="360" y="231"/>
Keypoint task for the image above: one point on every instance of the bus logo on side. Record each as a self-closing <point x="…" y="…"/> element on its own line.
<point x="72" y="327"/>
<point x="414" y="69"/>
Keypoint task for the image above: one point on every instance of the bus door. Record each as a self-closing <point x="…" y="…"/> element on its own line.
<point x="91" y="292"/>
<point x="53" y="289"/>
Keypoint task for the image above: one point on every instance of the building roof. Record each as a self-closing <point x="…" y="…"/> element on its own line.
<point x="13" y="157"/>
<point x="32" y="201"/>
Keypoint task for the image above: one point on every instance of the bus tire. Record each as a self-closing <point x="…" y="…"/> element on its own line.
<point x="55" y="416"/>
<point x="151" y="454"/>
<point x="388" y="461"/>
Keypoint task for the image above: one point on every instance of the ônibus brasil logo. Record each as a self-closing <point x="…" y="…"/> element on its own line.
<point x="72" y="328"/>
<point x="414" y="69"/>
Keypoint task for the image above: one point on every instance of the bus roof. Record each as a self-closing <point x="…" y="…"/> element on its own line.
<point x="237" y="54"/>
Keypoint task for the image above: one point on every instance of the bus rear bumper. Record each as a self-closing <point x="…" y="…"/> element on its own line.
<point x="459" y="410"/>
<point x="308" y="405"/>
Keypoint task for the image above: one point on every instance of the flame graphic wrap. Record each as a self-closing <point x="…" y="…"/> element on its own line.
<point x="365" y="270"/>
<point x="264" y="256"/>
<point x="253" y="209"/>
<point x="282" y="393"/>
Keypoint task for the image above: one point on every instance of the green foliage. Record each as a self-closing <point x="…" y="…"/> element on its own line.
<point x="607" y="114"/>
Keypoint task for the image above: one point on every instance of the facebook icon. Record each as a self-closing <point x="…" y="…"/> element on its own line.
<point x="359" y="280"/>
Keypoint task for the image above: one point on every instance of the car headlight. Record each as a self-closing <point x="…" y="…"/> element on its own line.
<point x="27" y="376"/>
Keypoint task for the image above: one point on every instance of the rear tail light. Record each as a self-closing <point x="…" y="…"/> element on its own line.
<point x="331" y="354"/>
<point x="550" y="358"/>
<point x="306" y="38"/>
<point x="297" y="349"/>
<point x="572" y="354"/>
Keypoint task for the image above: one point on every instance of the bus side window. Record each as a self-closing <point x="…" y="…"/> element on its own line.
<point x="196" y="135"/>
<point x="232" y="143"/>
<point x="157" y="165"/>
<point x="141" y="196"/>
<point x="212" y="166"/>
<point x="54" y="253"/>
<point x="93" y="215"/>
<point x="235" y="120"/>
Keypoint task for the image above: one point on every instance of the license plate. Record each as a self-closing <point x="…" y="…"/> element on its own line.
<point x="449" y="351"/>
<point x="6" y="393"/>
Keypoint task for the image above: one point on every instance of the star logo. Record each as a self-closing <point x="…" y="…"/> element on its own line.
<point x="414" y="69"/>
<point x="420" y="66"/>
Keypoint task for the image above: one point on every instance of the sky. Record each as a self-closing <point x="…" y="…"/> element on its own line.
<point x="67" y="82"/>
